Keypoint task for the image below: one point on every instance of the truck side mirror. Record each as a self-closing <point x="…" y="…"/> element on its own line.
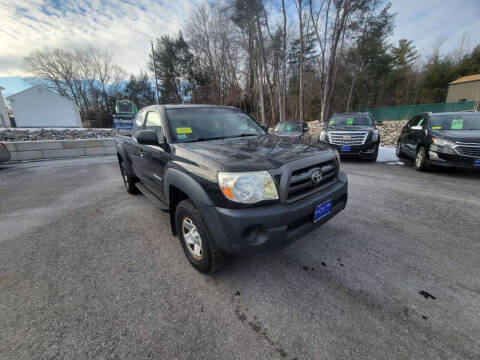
<point x="305" y="127"/>
<point x="147" y="137"/>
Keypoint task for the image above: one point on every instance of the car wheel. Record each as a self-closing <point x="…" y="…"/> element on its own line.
<point x="399" y="151"/>
<point x="196" y="240"/>
<point x="128" y="180"/>
<point x="421" y="162"/>
<point x="374" y="157"/>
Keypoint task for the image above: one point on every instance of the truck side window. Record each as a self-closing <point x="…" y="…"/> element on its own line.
<point x="154" y="122"/>
<point x="138" y="122"/>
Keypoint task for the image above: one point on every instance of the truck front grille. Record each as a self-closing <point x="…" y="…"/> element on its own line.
<point x="348" y="137"/>
<point x="302" y="185"/>
<point x="468" y="150"/>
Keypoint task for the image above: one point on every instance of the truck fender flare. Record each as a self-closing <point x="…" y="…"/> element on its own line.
<point x="186" y="184"/>
<point x="122" y="156"/>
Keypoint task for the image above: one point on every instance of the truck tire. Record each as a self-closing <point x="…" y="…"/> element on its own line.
<point x="196" y="241"/>
<point x="128" y="180"/>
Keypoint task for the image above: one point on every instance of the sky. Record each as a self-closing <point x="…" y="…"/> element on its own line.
<point x="125" y="28"/>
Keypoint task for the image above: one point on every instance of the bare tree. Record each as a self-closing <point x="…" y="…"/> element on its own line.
<point x="88" y="77"/>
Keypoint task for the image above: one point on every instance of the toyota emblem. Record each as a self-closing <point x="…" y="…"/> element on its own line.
<point x="316" y="176"/>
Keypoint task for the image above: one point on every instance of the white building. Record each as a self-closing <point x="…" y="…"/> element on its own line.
<point x="4" y="119"/>
<point x="40" y="107"/>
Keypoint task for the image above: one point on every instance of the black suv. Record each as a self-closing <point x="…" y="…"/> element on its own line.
<point x="229" y="186"/>
<point x="352" y="134"/>
<point x="442" y="139"/>
<point x="291" y="129"/>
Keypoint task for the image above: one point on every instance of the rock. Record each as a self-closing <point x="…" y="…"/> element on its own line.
<point x="57" y="134"/>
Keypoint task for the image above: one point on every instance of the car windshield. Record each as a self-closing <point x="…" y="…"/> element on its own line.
<point x="209" y="123"/>
<point x="455" y="122"/>
<point x="285" y="127"/>
<point x="350" y="119"/>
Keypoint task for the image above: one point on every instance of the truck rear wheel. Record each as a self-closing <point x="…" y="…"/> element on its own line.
<point x="196" y="241"/>
<point x="128" y="180"/>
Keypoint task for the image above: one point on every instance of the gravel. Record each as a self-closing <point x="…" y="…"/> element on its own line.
<point x="56" y="134"/>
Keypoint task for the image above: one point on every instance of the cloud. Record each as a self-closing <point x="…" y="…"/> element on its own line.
<point x="122" y="27"/>
<point x="430" y="22"/>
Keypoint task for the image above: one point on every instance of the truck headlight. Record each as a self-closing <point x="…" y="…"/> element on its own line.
<point x="248" y="187"/>
<point x="323" y="136"/>
<point x="375" y="136"/>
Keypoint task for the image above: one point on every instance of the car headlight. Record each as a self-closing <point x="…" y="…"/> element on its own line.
<point x="247" y="187"/>
<point x="443" y="142"/>
<point x="323" y="136"/>
<point x="375" y="136"/>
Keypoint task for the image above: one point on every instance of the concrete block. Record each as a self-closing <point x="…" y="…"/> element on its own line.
<point x="28" y="155"/>
<point x="104" y="150"/>
<point x="38" y="145"/>
<point x="13" y="156"/>
<point x="83" y="143"/>
<point x="109" y="142"/>
<point x="11" y="146"/>
<point x="59" y="153"/>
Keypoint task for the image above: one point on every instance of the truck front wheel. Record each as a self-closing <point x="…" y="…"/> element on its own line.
<point x="196" y="241"/>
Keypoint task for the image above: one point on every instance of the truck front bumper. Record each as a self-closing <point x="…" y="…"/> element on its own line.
<point x="272" y="227"/>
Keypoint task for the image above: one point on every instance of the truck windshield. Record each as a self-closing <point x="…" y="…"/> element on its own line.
<point x="285" y="127"/>
<point x="455" y="122"/>
<point x="350" y="119"/>
<point x="209" y="123"/>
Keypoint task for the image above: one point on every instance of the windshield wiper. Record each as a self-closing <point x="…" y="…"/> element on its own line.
<point x="205" y="139"/>
<point x="240" y="135"/>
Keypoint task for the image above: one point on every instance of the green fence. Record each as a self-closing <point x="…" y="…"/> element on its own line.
<point x="407" y="111"/>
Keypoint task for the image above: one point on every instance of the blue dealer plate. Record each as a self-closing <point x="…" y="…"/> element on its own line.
<point x="346" y="148"/>
<point x="477" y="162"/>
<point x="322" y="210"/>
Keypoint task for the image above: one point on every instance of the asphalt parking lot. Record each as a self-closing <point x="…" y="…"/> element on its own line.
<point x="89" y="271"/>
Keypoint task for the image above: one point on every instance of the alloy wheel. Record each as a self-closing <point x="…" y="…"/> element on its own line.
<point x="192" y="238"/>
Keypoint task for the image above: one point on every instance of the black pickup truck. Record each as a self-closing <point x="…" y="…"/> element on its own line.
<point x="228" y="185"/>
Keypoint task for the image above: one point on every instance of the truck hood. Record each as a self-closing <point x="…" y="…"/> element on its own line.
<point x="472" y="136"/>
<point x="254" y="153"/>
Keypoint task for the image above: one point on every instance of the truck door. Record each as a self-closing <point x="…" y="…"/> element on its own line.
<point x="134" y="149"/>
<point x="155" y="157"/>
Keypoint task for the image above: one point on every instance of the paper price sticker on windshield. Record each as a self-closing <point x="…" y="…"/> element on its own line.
<point x="289" y="127"/>
<point x="184" y="130"/>
<point x="436" y="128"/>
<point x="331" y="122"/>
<point x="457" y="124"/>
<point x="350" y="121"/>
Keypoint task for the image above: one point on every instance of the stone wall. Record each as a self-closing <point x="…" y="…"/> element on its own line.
<point x="51" y="149"/>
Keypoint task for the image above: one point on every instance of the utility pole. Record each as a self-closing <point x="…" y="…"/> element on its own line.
<point x="155" y="72"/>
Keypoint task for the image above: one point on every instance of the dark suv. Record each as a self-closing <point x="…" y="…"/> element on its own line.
<point x="291" y="129"/>
<point x="442" y="139"/>
<point x="352" y="134"/>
